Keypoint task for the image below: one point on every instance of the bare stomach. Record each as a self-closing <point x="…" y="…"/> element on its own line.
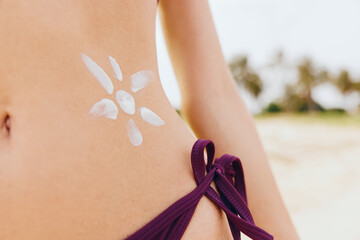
<point x="67" y="172"/>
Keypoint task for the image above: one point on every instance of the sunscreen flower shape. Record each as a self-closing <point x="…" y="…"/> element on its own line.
<point x="107" y="107"/>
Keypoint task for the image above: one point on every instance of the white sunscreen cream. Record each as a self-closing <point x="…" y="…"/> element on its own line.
<point x="116" y="68"/>
<point x="151" y="117"/>
<point x="98" y="73"/>
<point x="108" y="108"/>
<point x="134" y="134"/>
<point x="105" y="107"/>
<point x="126" y="101"/>
<point x="140" y="79"/>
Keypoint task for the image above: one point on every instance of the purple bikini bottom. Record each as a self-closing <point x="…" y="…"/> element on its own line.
<point x="227" y="173"/>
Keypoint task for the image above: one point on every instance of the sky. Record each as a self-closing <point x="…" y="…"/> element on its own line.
<point x="327" y="31"/>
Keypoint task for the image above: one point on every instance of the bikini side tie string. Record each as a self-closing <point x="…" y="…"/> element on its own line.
<point x="228" y="176"/>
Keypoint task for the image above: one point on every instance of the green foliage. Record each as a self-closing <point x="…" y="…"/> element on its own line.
<point x="273" y="108"/>
<point x="298" y="96"/>
<point x="336" y="110"/>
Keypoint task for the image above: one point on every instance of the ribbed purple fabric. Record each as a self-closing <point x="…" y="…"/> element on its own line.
<point x="227" y="173"/>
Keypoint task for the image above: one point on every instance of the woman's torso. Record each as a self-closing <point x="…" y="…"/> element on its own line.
<point x="65" y="173"/>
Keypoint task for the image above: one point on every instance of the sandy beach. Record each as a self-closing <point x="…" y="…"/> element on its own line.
<point x="317" y="166"/>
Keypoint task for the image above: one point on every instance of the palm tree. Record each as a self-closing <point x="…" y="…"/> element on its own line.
<point x="308" y="78"/>
<point x="245" y="76"/>
<point x="345" y="83"/>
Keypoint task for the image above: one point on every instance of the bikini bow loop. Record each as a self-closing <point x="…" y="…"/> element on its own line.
<point x="228" y="175"/>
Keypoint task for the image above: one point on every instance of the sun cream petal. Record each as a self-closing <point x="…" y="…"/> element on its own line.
<point x="151" y="117"/>
<point x="126" y="101"/>
<point x="98" y="73"/>
<point x="140" y="79"/>
<point x="116" y="68"/>
<point x="105" y="107"/>
<point x="134" y="134"/>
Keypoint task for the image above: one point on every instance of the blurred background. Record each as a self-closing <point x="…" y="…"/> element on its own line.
<point x="297" y="65"/>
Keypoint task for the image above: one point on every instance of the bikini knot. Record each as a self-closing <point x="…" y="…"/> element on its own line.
<point x="227" y="174"/>
<point x="219" y="168"/>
